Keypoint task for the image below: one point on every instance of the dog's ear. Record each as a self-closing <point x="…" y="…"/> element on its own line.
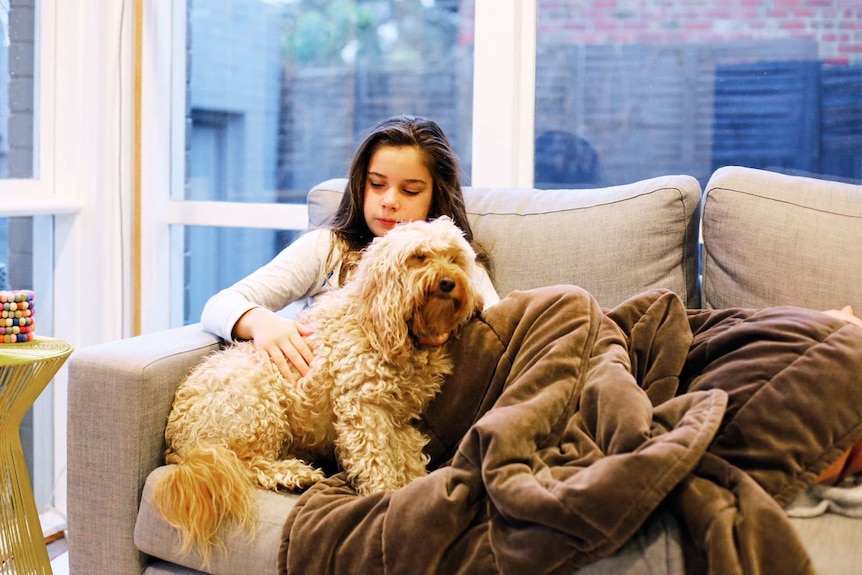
<point x="387" y="332"/>
<point x="385" y="308"/>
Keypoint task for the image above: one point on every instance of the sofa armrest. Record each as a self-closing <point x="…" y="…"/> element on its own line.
<point x="120" y="394"/>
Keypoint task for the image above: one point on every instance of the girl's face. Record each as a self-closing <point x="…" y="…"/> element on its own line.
<point x="398" y="188"/>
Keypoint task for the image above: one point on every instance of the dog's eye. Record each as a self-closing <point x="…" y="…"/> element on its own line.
<point x="417" y="259"/>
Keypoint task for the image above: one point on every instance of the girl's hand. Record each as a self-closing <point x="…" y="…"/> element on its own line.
<point x="281" y="338"/>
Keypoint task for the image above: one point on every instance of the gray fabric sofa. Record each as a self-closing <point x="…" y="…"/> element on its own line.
<point x="767" y="239"/>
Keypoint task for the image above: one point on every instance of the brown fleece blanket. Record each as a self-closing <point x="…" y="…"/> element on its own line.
<point x="566" y="426"/>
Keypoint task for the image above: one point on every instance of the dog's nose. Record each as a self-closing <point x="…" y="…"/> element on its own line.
<point x="447" y="285"/>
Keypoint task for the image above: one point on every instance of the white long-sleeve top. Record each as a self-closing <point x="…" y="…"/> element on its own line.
<point x="297" y="273"/>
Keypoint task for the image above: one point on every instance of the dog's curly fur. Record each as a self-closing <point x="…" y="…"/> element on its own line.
<point x="237" y="423"/>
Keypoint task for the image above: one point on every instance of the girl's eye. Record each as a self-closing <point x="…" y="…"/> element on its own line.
<point x="375" y="185"/>
<point x="411" y="192"/>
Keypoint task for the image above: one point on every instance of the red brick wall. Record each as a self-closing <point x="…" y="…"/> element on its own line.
<point x="635" y="78"/>
<point x="835" y="24"/>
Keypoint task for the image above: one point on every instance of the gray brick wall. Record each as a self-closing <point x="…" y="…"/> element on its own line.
<point x="17" y="92"/>
<point x="21" y="90"/>
<point x="638" y="81"/>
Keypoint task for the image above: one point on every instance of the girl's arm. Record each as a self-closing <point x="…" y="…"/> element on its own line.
<point x="485" y="287"/>
<point x="246" y="310"/>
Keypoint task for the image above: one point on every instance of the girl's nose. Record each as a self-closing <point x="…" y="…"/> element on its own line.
<point x="390" y="199"/>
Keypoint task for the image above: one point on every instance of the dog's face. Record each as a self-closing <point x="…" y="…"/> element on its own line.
<point x="439" y="271"/>
<point x="418" y="283"/>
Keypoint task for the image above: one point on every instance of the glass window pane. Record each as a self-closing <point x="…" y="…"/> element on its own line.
<point x="280" y="94"/>
<point x="17" y="88"/>
<point x="657" y="89"/>
<point x="215" y="257"/>
<point x="26" y="256"/>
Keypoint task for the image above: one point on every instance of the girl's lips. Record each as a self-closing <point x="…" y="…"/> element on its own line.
<point x="387" y="223"/>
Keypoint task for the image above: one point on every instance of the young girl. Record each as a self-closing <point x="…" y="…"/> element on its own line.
<point x="404" y="170"/>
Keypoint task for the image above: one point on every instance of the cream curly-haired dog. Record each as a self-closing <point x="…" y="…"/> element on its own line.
<point x="237" y="422"/>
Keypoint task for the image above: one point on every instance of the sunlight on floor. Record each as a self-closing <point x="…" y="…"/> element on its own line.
<point x="53" y="529"/>
<point x="60" y="564"/>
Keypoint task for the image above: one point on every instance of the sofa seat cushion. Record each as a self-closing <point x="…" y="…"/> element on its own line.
<point x="654" y="548"/>
<point x="833" y="541"/>
<point x="773" y="239"/>
<point x="615" y="242"/>
<point x="155" y="537"/>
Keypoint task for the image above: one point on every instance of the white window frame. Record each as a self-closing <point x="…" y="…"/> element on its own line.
<point x="504" y="93"/>
<point x="42" y="199"/>
<point x="504" y="96"/>
<point x="163" y="158"/>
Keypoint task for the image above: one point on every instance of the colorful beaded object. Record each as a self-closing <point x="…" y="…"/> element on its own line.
<point x="17" y="314"/>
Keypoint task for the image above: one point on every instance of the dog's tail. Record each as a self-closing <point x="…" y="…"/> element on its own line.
<point x="207" y="489"/>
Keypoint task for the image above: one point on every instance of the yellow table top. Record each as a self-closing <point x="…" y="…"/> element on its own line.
<point x="38" y="349"/>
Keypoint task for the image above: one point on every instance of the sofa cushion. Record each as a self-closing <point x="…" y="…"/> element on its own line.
<point x="833" y="541"/>
<point x="615" y="242"/>
<point x="155" y="537"/>
<point x="774" y="239"/>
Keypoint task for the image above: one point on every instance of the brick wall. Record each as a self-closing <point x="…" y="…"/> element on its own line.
<point x="642" y="83"/>
<point x="836" y="25"/>
<point x="21" y="88"/>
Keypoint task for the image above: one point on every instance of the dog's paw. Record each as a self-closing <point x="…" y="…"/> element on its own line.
<point x="301" y="481"/>
<point x="290" y="474"/>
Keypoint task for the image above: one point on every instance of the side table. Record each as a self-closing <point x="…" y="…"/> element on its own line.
<point x="25" y="370"/>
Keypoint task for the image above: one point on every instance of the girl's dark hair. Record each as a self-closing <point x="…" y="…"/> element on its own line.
<point x="425" y="135"/>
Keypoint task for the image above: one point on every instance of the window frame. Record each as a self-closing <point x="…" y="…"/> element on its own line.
<point x="36" y="196"/>
<point x="504" y="96"/>
<point x="504" y="67"/>
<point x="163" y="170"/>
<point x="504" y="93"/>
<point x="53" y="213"/>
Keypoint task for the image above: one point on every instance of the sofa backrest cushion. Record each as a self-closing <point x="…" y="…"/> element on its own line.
<point x="775" y="239"/>
<point x="615" y="242"/>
